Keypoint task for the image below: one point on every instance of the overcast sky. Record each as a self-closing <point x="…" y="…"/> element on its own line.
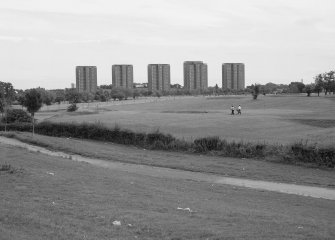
<point x="41" y="41"/>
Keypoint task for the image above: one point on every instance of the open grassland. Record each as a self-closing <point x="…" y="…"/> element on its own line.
<point x="273" y="119"/>
<point x="52" y="198"/>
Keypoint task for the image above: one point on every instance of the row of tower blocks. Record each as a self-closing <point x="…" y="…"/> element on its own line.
<point x="159" y="77"/>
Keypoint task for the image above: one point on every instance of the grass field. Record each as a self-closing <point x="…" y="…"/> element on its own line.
<point x="274" y="119"/>
<point x="53" y="198"/>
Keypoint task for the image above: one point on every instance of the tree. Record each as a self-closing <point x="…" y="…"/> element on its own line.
<point x="7" y="95"/>
<point x="72" y="95"/>
<point x="127" y="93"/>
<point x="328" y="82"/>
<point x="47" y="97"/>
<point x="318" y="83"/>
<point x="177" y="86"/>
<point x="256" y="90"/>
<point x="33" y="103"/>
<point x="309" y="89"/>
<point x="59" y="95"/>
<point x="21" y="98"/>
<point x="136" y="94"/>
<point x="2" y="107"/>
<point x="158" y="94"/>
<point x="110" y="86"/>
<point x="117" y="93"/>
<point x="270" y="87"/>
<point x="216" y="89"/>
<point x="102" y="95"/>
<point x="296" y="87"/>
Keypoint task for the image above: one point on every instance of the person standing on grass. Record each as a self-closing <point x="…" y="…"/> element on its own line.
<point x="232" y="110"/>
<point x="239" y="109"/>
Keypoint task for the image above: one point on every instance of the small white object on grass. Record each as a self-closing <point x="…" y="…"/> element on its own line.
<point x="117" y="223"/>
<point x="51" y="173"/>
<point x="185" y="209"/>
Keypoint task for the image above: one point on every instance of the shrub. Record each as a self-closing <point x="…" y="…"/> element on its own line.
<point x="127" y="137"/>
<point x="7" y="168"/>
<point x="21" y="127"/>
<point x="140" y="139"/>
<point x="207" y="144"/>
<point x="302" y="152"/>
<point x="255" y="91"/>
<point x="157" y="136"/>
<point x="16" y="115"/>
<point x="72" y="108"/>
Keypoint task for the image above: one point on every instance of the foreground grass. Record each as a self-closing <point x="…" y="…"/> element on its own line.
<point x="59" y="199"/>
<point x="233" y="167"/>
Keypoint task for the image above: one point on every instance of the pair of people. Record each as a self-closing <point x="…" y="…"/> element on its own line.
<point x="239" y="110"/>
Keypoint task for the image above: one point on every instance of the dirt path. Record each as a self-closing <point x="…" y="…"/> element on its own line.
<point x="301" y="190"/>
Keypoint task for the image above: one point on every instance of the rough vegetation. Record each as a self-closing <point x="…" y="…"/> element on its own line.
<point x="16" y="115"/>
<point x="72" y="108"/>
<point x="295" y="153"/>
<point x="7" y="168"/>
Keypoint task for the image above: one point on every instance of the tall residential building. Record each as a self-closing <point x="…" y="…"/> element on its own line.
<point x="158" y="77"/>
<point x="233" y="76"/>
<point x="122" y="76"/>
<point x="86" y="79"/>
<point x="195" y="75"/>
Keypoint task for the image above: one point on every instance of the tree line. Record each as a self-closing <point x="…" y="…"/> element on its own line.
<point x="31" y="99"/>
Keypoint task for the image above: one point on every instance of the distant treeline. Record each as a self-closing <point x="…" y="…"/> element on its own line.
<point x="324" y="82"/>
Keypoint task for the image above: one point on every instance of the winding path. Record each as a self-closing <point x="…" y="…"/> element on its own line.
<point x="315" y="192"/>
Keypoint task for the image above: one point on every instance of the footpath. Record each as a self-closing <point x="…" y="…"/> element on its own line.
<point x="161" y="172"/>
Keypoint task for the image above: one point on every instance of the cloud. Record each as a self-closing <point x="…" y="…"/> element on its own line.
<point x="17" y="39"/>
<point x="258" y="32"/>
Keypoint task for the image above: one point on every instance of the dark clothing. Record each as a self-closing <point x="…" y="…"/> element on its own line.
<point x="232" y="110"/>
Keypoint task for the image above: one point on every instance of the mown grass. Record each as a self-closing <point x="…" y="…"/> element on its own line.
<point x="295" y="153"/>
<point x="322" y="123"/>
<point x="266" y="119"/>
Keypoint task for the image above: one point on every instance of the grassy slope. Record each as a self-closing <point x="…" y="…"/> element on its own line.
<point x="81" y="201"/>
<point x="270" y="119"/>
<point x="245" y="168"/>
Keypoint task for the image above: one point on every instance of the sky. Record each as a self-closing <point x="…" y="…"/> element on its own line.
<point x="279" y="41"/>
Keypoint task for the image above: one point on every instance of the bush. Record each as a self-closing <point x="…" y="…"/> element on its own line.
<point x="302" y="152"/>
<point x="16" y="116"/>
<point x="165" y="139"/>
<point x="21" y="127"/>
<point x="7" y="168"/>
<point x="255" y="92"/>
<point x="72" y="108"/>
<point x="207" y="144"/>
